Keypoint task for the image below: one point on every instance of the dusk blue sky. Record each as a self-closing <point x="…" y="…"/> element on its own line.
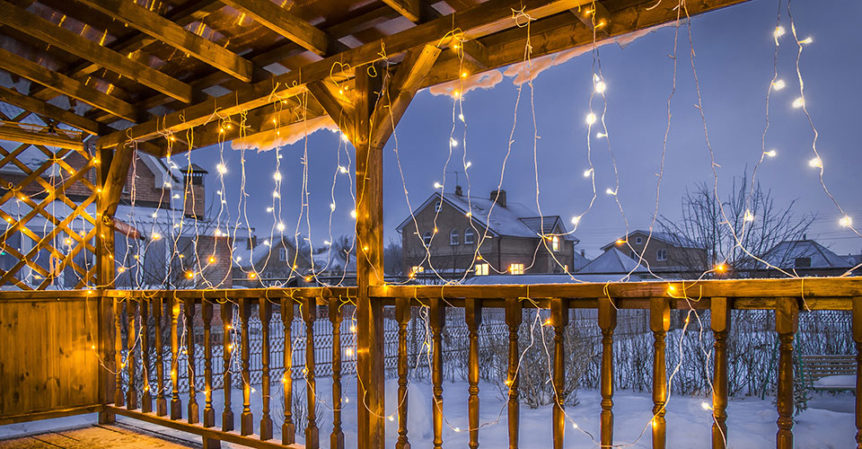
<point x="734" y="49"/>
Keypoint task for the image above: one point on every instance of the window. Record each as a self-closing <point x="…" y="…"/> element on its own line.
<point x="481" y="269"/>
<point x="516" y="268"/>
<point x="454" y="238"/>
<point x="639" y="240"/>
<point x="469" y="236"/>
<point x="282" y="254"/>
<point x="555" y="243"/>
<point x="802" y="262"/>
<point x="661" y="254"/>
<point x="426" y="237"/>
<point x="417" y="269"/>
<point x="438" y="206"/>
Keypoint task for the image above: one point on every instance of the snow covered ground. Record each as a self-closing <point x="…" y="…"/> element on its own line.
<point x="827" y="424"/>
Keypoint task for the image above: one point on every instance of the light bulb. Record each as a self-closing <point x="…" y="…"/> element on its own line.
<point x="461" y="117"/>
<point x="591" y="118"/>
<point x="815" y="162"/>
<point x="807" y="40"/>
<point x="275" y="194"/>
<point x="332" y="206"/>
<point x="221" y="168"/>
<point x="778" y="84"/>
<point x="437" y="185"/>
<point x="601" y="135"/>
<point x="778" y="32"/>
<point x="269" y="209"/>
<point x="845" y="221"/>
<point x="705" y="405"/>
<point x="453" y="142"/>
<point x="353" y="214"/>
<point x="610" y="191"/>
<point x="468" y="164"/>
<point x="748" y="216"/>
<point x="576" y="219"/>
<point x="342" y="169"/>
<point x="588" y="172"/>
<point x="280" y="226"/>
<point x="601" y="87"/>
<point x="276" y="176"/>
<point x="771" y="153"/>
<point x="798" y="103"/>
<point x="344" y="138"/>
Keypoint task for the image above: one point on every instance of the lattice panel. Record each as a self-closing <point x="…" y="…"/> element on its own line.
<point x="47" y="204"/>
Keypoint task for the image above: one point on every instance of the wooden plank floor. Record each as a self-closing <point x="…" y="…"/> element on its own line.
<point x="93" y="437"/>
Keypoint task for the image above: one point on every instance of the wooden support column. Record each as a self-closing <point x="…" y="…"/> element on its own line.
<point x="607" y="323"/>
<point x="473" y="316"/>
<point x="857" y="338"/>
<point x="659" y="324"/>
<point x="513" y="322"/>
<point x="786" y="323"/>
<point x="559" y="320"/>
<point x="373" y="120"/>
<point x="437" y="318"/>
<point x="105" y="278"/>
<point x="719" y="319"/>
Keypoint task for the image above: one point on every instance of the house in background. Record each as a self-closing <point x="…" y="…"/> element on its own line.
<point x="446" y="232"/>
<point x="805" y="258"/>
<point x="269" y="263"/>
<point x="661" y="252"/>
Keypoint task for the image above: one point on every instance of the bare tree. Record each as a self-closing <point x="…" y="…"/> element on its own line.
<point x="736" y="231"/>
<point x="392" y="259"/>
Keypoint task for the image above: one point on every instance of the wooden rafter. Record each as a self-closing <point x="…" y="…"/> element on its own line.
<point x="284" y="23"/>
<point x="23" y="135"/>
<point x="25" y="68"/>
<point x="335" y="103"/>
<point x="48" y="111"/>
<point x="407" y="8"/>
<point x="49" y="33"/>
<point x="174" y="35"/>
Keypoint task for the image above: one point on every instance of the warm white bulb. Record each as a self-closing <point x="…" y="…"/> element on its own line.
<point x="275" y="194"/>
<point x="771" y="153"/>
<point x="748" y="216"/>
<point x="280" y="226"/>
<point x="576" y="219"/>
<point x="353" y="214"/>
<point x="778" y="32"/>
<point x="461" y="117"/>
<point x="610" y="191"/>
<point x="705" y="405"/>
<point x="221" y="168"/>
<point x="601" y="135"/>
<point x="344" y="138"/>
<point x="276" y="176"/>
<point x="601" y="87"/>
<point x="815" y="162"/>
<point x="342" y="169"/>
<point x="778" y="84"/>
<point x="798" y="102"/>
<point x="468" y="164"/>
<point x="807" y="40"/>
<point x="588" y="172"/>
<point x="269" y="209"/>
<point x="574" y="425"/>
<point x="591" y="118"/>
<point x="453" y="142"/>
<point x="845" y="221"/>
<point x="437" y="185"/>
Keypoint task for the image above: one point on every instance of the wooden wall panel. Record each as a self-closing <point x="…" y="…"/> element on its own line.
<point x="47" y="360"/>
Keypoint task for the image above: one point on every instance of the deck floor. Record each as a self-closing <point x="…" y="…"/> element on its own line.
<point x="92" y="437"/>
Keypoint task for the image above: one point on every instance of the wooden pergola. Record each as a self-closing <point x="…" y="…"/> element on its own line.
<point x="165" y="77"/>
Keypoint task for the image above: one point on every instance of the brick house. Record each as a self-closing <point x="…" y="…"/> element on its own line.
<point x="455" y="235"/>
<point x="666" y="252"/>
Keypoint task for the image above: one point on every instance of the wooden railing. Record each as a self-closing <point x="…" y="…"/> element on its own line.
<point x="141" y="321"/>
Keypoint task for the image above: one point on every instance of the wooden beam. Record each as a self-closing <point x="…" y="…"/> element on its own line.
<point x="407" y="8"/>
<point x="14" y="133"/>
<point x="594" y="16"/>
<point x="476" y="52"/>
<point x="115" y="179"/>
<point x="49" y="111"/>
<point x="482" y="20"/>
<point x="66" y="40"/>
<point x="25" y="68"/>
<point x="284" y="23"/>
<point x="336" y="105"/>
<point x="174" y="35"/>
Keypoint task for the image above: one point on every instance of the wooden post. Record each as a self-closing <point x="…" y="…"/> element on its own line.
<point x="336" y="438"/>
<point x="473" y="316"/>
<point x="264" y="309"/>
<point x="659" y="324"/>
<point x="193" y="410"/>
<point x="176" y="404"/>
<point x="857" y="338"/>
<point x="607" y="323"/>
<point x="369" y="268"/>
<point x="312" y="434"/>
<point x="437" y="317"/>
<point x="559" y="320"/>
<point x="719" y="319"/>
<point x="402" y="314"/>
<point x="288" y="429"/>
<point x="786" y="323"/>
<point x="246" y="419"/>
<point x="226" y="311"/>
<point x="105" y="270"/>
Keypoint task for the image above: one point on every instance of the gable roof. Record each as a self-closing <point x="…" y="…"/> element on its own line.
<point x="666" y="237"/>
<point x="612" y="261"/>
<point x="514" y="220"/>
<point x="784" y="255"/>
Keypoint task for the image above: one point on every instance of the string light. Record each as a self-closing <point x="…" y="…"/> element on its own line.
<point x="815" y="162"/>
<point x="342" y="169"/>
<point x="845" y="221"/>
<point x="601" y="135"/>
<point x="576" y="220"/>
<point x="591" y="118"/>
<point x="438" y="186"/>
<point x="461" y="117"/>
<point x="807" y="40"/>
<point x="453" y="142"/>
<point x="588" y="172"/>
<point x="610" y="191"/>
<point x="778" y="84"/>
<point x="353" y="214"/>
<point x="705" y="405"/>
<point x="748" y="216"/>
<point x="276" y="176"/>
<point x="221" y="168"/>
<point x="280" y="226"/>
<point x="798" y="103"/>
<point x="771" y="153"/>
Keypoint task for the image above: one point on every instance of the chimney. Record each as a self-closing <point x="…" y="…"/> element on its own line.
<point x="583" y="253"/>
<point x="458" y="191"/>
<point x="194" y="203"/>
<point x="499" y="196"/>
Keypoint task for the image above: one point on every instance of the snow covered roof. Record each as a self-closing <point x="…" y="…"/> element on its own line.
<point x="666" y="237"/>
<point x="514" y="220"/>
<point x="786" y="253"/>
<point x="532" y="279"/>
<point x="612" y="261"/>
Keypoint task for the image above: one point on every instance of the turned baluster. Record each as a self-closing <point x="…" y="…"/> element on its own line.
<point x="161" y="402"/>
<point x="146" y="397"/>
<point x="513" y="321"/>
<point x="336" y="439"/>
<point x="309" y="313"/>
<point x="118" y="353"/>
<point x="288" y="429"/>
<point x="207" y="315"/>
<point x="176" y="405"/>
<point x="131" y="341"/>
<point x="226" y="311"/>
<point x="473" y="317"/>
<point x="786" y="323"/>
<point x="559" y="320"/>
<point x="719" y="319"/>
<point x="193" y="410"/>
<point x="438" y="319"/>
<point x="607" y="323"/>
<point x="265" y="311"/>
<point x="402" y="313"/>
<point x="246" y="420"/>
<point x="659" y="324"/>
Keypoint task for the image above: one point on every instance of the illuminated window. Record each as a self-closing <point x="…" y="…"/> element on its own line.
<point x="555" y="243"/>
<point x="481" y="269"/>
<point x="469" y="236"/>
<point x="417" y="269"/>
<point x="438" y="206"/>
<point x="661" y="254"/>
<point x="426" y="237"/>
<point x="516" y="268"/>
<point x="454" y="238"/>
